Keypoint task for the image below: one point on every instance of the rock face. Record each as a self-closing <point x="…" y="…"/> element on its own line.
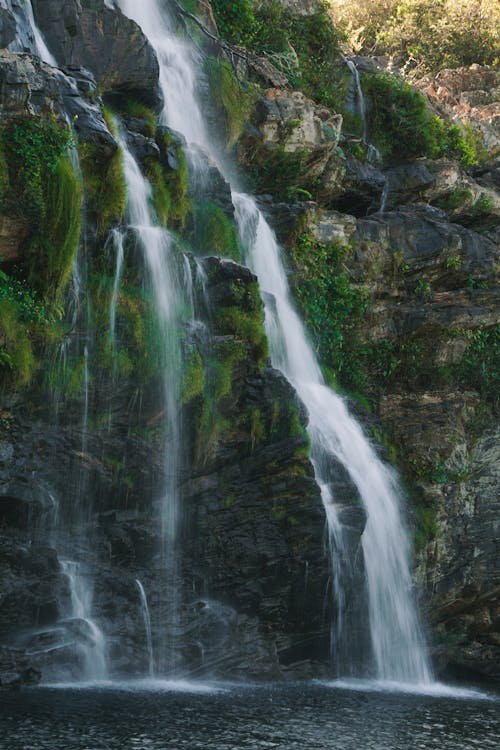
<point x="471" y="94"/>
<point x="251" y="562"/>
<point x="92" y="35"/>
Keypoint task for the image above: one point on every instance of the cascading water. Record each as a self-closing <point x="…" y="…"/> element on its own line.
<point x="156" y="245"/>
<point x="396" y="636"/>
<point x="147" y="627"/>
<point x="28" y="36"/>
<point x="359" y="97"/>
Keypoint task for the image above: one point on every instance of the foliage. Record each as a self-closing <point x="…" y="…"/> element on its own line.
<point x="177" y="184"/>
<point x="425" y="35"/>
<point x="272" y="169"/>
<point x="39" y="184"/>
<point x="25" y="323"/>
<point x="139" y="111"/>
<point x="331" y="305"/>
<point x="53" y="248"/>
<point x="311" y="41"/>
<point x="214" y="232"/>
<point x="162" y="201"/>
<point x="16" y="349"/>
<point x="402" y="126"/>
<point x="33" y="150"/>
<point x="232" y="98"/>
<point x="105" y="187"/>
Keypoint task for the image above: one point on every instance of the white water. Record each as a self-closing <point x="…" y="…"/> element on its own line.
<point x="117" y="239"/>
<point x="157" y="248"/>
<point x="147" y="626"/>
<point x="397" y="640"/>
<point x="360" y="99"/>
<point x="40" y="43"/>
<point x="93" y="646"/>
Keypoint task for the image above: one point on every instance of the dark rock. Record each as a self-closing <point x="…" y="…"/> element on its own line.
<point x="102" y="39"/>
<point x="7" y="27"/>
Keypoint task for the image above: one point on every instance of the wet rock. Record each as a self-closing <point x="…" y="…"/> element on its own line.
<point x="102" y="39"/>
<point x="16" y="669"/>
<point x="7" y="27"/>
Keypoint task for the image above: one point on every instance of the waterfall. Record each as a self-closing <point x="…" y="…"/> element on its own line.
<point x="117" y="239"/>
<point x="360" y="99"/>
<point x="28" y="37"/>
<point x="147" y="626"/>
<point x="396" y="635"/>
<point x="157" y="248"/>
<point x="92" y="645"/>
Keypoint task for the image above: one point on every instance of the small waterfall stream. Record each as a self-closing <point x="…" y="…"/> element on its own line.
<point x="147" y="627"/>
<point x="164" y="282"/>
<point x="397" y="640"/>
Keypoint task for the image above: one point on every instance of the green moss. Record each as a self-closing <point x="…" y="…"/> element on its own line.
<point x="136" y="109"/>
<point x="193" y="382"/>
<point x="105" y="186"/>
<point x="257" y="428"/>
<point x="332" y="306"/>
<point x="427" y="526"/>
<point x="214" y="232"/>
<point x="177" y="184"/>
<point x="17" y="358"/>
<point x="232" y="99"/>
<point x="138" y="350"/>
<point x="271" y="169"/>
<point x="247" y="326"/>
<point x="53" y="248"/>
<point x="161" y="193"/>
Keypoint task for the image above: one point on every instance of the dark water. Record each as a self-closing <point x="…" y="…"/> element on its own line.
<point x="306" y="716"/>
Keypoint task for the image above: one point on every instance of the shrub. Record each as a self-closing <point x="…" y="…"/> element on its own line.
<point x="427" y="35"/>
<point x="402" y="126"/>
<point x="331" y="305"/>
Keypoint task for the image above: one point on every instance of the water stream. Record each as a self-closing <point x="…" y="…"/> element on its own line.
<point x="398" y="645"/>
<point x="164" y="282"/>
<point x="147" y="627"/>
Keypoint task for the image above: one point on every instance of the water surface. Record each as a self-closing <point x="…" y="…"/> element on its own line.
<point x="308" y="716"/>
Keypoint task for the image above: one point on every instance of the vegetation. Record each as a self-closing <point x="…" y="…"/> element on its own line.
<point x="403" y="127"/>
<point x="305" y="48"/>
<point x="175" y="182"/>
<point x="25" y="322"/>
<point x="105" y="188"/>
<point x="39" y="184"/>
<point x="231" y="98"/>
<point x="214" y="232"/>
<point x="332" y="307"/>
<point x="423" y="35"/>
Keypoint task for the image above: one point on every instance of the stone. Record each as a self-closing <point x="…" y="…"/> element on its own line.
<point x="99" y="37"/>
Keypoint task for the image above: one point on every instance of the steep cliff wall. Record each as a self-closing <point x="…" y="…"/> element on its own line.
<point x="393" y="258"/>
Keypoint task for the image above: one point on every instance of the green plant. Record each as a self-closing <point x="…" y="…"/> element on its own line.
<point x="232" y="98"/>
<point x="333" y="307"/>
<point x="214" y="232"/>
<point x="403" y="127"/>
<point x="104" y="183"/>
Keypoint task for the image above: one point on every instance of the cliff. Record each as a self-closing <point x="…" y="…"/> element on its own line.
<point x="387" y="203"/>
